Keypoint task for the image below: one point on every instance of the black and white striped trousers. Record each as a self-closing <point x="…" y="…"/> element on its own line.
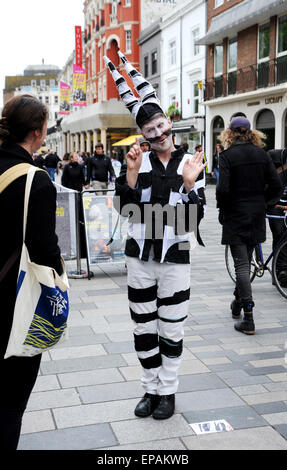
<point x="158" y="299"/>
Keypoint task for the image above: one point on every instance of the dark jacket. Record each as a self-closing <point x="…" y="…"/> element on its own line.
<point x="215" y="160"/>
<point x="51" y="160"/>
<point x="73" y="176"/>
<point x="279" y="158"/>
<point x="247" y="182"/>
<point x="157" y="186"/>
<point x="99" y="168"/>
<point x="41" y="239"/>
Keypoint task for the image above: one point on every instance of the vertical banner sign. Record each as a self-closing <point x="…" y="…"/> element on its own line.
<point x="78" y="46"/>
<point x="79" y="86"/>
<point x="65" y="98"/>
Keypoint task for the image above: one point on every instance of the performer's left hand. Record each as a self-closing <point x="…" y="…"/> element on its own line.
<point x="192" y="169"/>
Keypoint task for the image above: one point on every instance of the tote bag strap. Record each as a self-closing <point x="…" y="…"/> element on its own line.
<point x="12" y="174"/>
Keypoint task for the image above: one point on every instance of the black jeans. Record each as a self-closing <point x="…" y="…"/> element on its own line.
<point x="18" y="376"/>
<point x="242" y="255"/>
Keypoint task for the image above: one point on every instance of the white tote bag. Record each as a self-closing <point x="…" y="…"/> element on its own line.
<point x="42" y="304"/>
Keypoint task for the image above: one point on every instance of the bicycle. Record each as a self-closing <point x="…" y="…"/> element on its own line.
<point x="259" y="265"/>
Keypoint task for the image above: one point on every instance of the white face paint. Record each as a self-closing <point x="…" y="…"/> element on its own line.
<point x="156" y="129"/>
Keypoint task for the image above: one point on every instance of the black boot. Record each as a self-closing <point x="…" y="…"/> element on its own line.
<point x="247" y="325"/>
<point x="165" y="408"/>
<point x="235" y="308"/>
<point x="147" y="405"/>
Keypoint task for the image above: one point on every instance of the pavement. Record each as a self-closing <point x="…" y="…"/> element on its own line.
<point x="88" y="386"/>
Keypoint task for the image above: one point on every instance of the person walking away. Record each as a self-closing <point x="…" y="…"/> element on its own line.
<point x="248" y="180"/>
<point x="215" y="160"/>
<point x="51" y="162"/>
<point x="38" y="160"/>
<point x="277" y="226"/>
<point x="158" y="263"/>
<point x="99" y="169"/>
<point x="22" y="130"/>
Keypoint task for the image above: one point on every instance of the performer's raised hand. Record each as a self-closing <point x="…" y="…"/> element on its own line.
<point x="134" y="161"/>
<point x="192" y="169"/>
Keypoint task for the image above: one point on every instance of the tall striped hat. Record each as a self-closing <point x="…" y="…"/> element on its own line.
<point x="148" y="105"/>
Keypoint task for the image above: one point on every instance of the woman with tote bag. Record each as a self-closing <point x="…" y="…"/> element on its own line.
<point x="22" y="131"/>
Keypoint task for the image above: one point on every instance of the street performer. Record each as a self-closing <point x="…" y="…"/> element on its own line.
<point x="159" y="193"/>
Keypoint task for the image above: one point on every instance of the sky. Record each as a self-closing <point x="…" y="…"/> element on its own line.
<point x="32" y="30"/>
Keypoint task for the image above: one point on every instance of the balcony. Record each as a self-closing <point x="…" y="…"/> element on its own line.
<point x="250" y="78"/>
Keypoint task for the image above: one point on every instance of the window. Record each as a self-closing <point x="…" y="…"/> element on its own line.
<point x="47" y="99"/>
<point x="128" y="41"/>
<point x="217" y="3"/>
<point x="282" y="34"/>
<point x="42" y="83"/>
<point x="232" y="66"/>
<point x="172" y="52"/>
<point x="263" y="41"/>
<point x="154" y="62"/>
<point x="33" y="83"/>
<point x="195" y="98"/>
<point x="52" y="82"/>
<point x="232" y="54"/>
<point x="146" y="66"/>
<point x="218" y="59"/>
<point x="194" y="38"/>
<point x="56" y="99"/>
<point x="128" y="3"/>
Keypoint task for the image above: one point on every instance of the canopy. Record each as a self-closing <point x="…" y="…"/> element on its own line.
<point x="130" y="140"/>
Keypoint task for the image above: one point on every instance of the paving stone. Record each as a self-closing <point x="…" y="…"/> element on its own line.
<point x="163" y="444"/>
<point x="110" y="392"/>
<point x="84" y="415"/>
<point x="195" y="382"/>
<point x="77" y="352"/>
<point x="90" y="377"/>
<point x="207" y="400"/>
<point x="140" y="430"/>
<point x="52" y="399"/>
<point x="46" y="382"/>
<point x="265" y="438"/>
<point x="37" y="421"/>
<point x="78" y="438"/>
<point x="124" y="347"/>
<point x="282" y="429"/>
<point x="78" y="364"/>
<point x="269" y="408"/>
<point x="239" y="417"/>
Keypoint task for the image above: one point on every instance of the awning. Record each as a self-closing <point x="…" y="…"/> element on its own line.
<point x="130" y="140"/>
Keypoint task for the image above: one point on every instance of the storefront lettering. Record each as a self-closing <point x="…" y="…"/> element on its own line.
<point x="273" y="99"/>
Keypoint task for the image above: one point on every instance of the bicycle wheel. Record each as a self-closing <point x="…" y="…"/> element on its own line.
<point x="230" y="265"/>
<point x="280" y="282"/>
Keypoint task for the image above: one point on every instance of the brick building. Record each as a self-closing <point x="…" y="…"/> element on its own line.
<point x="246" y="67"/>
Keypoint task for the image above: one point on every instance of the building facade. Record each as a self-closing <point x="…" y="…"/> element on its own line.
<point x="246" y="67"/>
<point x="183" y="71"/>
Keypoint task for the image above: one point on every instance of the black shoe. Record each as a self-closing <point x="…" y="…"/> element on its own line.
<point x="147" y="405"/>
<point x="247" y="325"/>
<point x="282" y="278"/>
<point x="165" y="408"/>
<point x="236" y="307"/>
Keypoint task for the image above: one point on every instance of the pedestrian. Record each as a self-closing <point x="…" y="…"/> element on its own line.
<point x="157" y="264"/>
<point x="144" y="144"/>
<point x="51" y="162"/>
<point x="277" y="225"/>
<point x="22" y="130"/>
<point x="38" y="160"/>
<point x="99" y="169"/>
<point x="73" y="174"/>
<point x="248" y="180"/>
<point x="215" y="160"/>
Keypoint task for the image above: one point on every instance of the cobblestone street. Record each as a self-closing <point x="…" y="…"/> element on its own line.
<point x="88" y="387"/>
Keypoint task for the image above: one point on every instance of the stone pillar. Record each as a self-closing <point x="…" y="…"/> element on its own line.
<point x="64" y="144"/>
<point x="82" y="141"/>
<point x="104" y="138"/>
<point x="72" y="143"/>
<point x="77" y="143"/>
<point x="88" y="149"/>
<point x="95" y="139"/>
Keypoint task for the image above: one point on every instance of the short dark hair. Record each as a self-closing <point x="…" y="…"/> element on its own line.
<point x="197" y="146"/>
<point x="21" y="115"/>
<point x="99" y="144"/>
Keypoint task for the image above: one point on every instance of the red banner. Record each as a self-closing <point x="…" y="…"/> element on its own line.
<point x="78" y="46"/>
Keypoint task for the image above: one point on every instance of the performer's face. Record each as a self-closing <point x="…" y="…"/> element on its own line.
<point x="158" y="133"/>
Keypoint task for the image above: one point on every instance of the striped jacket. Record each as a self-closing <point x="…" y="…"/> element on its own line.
<point x="167" y="231"/>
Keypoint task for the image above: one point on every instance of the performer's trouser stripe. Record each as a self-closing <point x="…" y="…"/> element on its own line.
<point x="159" y="312"/>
